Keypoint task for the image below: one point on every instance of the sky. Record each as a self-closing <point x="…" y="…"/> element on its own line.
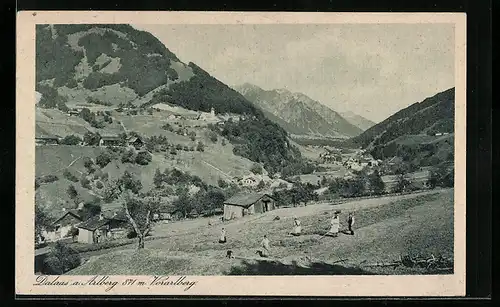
<point x="373" y="70"/>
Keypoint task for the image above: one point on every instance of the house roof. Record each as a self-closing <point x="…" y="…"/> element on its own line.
<point x="93" y="223"/>
<point x="118" y="216"/>
<point x="110" y="137"/>
<point x="72" y="212"/>
<point x="246" y="199"/>
<point x="133" y="139"/>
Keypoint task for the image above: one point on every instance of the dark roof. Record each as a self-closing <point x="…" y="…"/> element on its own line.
<point x="93" y="223"/>
<point x="118" y="216"/>
<point x="134" y="139"/>
<point x="246" y="199"/>
<point x="74" y="213"/>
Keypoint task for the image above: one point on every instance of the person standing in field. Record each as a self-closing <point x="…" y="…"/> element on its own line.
<point x="297" y="228"/>
<point x="350" y="222"/>
<point x="265" y="247"/>
<point x="335" y="225"/>
<point x="222" y="238"/>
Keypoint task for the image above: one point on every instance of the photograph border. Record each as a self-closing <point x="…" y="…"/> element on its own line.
<point x="342" y="285"/>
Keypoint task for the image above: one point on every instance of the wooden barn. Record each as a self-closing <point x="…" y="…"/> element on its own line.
<point x="247" y="204"/>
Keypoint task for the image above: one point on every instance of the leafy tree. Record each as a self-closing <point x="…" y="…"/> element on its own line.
<point x="90" y="209"/>
<point x="91" y="139"/>
<point x="213" y="136"/>
<point x="103" y="159"/>
<point x="99" y="185"/>
<point x="88" y="164"/>
<point x="42" y="221"/>
<point x="376" y="183"/>
<point x="143" y="158"/>
<point x="183" y="202"/>
<point x="85" y="182"/>
<point x="72" y="192"/>
<point x="256" y="168"/>
<point x="71" y="140"/>
<point x="73" y="233"/>
<point x="200" y="147"/>
<point x="402" y="184"/>
<point x="128" y="156"/>
<point x="261" y="185"/>
<point x="158" y="178"/>
<point x="192" y="135"/>
<point x="68" y="175"/>
<point x="222" y="183"/>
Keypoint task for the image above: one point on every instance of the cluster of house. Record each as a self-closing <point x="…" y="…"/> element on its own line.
<point x="111" y="225"/>
<point x="358" y="163"/>
<point x="332" y="156"/>
<point x="105" y="226"/>
<point x="105" y="140"/>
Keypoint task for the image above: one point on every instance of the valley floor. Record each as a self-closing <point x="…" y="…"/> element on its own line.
<point x="385" y="228"/>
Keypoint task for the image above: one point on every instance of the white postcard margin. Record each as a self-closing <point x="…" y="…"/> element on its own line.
<point x="379" y="286"/>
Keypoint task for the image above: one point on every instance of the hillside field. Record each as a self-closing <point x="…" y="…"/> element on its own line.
<point x="385" y="228"/>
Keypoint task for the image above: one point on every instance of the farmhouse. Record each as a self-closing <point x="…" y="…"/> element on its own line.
<point x="92" y="229"/>
<point x="61" y="227"/>
<point x="102" y="227"/>
<point x="110" y="140"/>
<point x="46" y="140"/>
<point x="247" y="204"/>
<point x="73" y="113"/>
<point x="136" y="142"/>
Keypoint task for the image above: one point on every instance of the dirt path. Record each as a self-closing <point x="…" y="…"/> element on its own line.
<point x="69" y="165"/>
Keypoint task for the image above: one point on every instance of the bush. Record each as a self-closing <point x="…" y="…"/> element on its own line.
<point x="143" y="158"/>
<point x="61" y="259"/>
<point x="71" y="140"/>
<point x="52" y="266"/>
<point x="70" y="176"/>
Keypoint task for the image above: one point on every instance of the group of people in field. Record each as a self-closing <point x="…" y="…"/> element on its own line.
<point x="297" y="231"/>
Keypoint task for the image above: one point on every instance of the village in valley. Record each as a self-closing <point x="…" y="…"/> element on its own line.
<point x="188" y="176"/>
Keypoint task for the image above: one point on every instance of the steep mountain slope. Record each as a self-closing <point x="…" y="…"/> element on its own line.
<point x="119" y="64"/>
<point x="422" y="132"/>
<point x="358" y="120"/>
<point x="109" y="67"/>
<point x="299" y="114"/>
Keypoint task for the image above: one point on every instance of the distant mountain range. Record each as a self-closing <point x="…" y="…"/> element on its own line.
<point x="422" y="133"/>
<point x="357" y="120"/>
<point x="299" y="114"/>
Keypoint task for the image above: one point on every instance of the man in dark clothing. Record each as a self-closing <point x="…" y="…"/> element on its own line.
<point x="350" y="222"/>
